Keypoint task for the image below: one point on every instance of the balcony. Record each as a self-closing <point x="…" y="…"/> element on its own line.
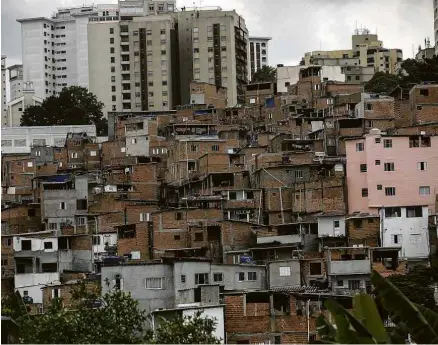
<point x="349" y="267"/>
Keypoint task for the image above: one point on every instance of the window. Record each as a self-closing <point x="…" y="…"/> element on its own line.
<point x="176" y="237"/>
<point x="424" y="92"/>
<point x="364" y="192"/>
<point x="224" y="49"/>
<point x="178" y="215"/>
<point x="340" y="283"/>
<point x="113" y="98"/>
<point x="396" y="239"/>
<point x="415" y="239"/>
<point x="113" y="79"/>
<point x="377" y="162"/>
<point x="145" y="217"/>
<point x="389" y="191"/>
<point x="422" y="166"/>
<point x="354" y="284"/>
<point x="48" y="245"/>
<point x="26" y="245"/>
<point x="424" y="190"/>
<point x="387" y="143"/>
<point x="215" y="147"/>
<point x="96" y="240"/>
<point x="391" y="212"/>
<point x="389" y="166"/>
<point x="111" y="31"/>
<point x="363" y="168"/>
<point x="183" y="279"/>
<point x="336" y="224"/>
<point x="369" y="106"/>
<point x="5" y="262"/>
<point x="359" y="147"/>
<point x="298" y="174"/>
<point x="199" y="236"/>
<point x="201" y="278"/>
<point x="163" y="32"/>
<point x="62" y="205"/>
<point x="252" y="276"/>
<point x="194" y="148"/>
<point x="93" y="153"/>
<point x="29" y="164"/>
<point x="315" y="269"/>
<point x="153" y="283"/>
<point x="414" y="212"/>
<point x="112" y="40"/>
<point x="284" y="271"/>
<point x="56" y="293"/>
<point x="379" y="187"/>
<point x="218" y="277"/>
<point x="241" y="276"/>
<point x="357" y="223"/>
<point x="7" y="242"/>
<point x="74" y="155"/>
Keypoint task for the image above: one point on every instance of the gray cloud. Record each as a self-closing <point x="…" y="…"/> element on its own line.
<point x="296" y="26"/>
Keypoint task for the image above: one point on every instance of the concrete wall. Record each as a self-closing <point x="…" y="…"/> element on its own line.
<point x="349" y="267"/>
<point x="326" y="226"/>
<point x="37" y="244"/>
<point x="412" y="233"/>
<point x="278" y="273"/>
<point x="52" y="200"/>
<point x="134" y="283"/>
<point x="230" y="282"/>
<point x="33" y="283"/>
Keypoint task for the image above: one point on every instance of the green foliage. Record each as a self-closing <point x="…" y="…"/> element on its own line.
<point x="365" y="326"/>
<point x="75" y="105"/>
<point x="264" y="74"/>
<point x="416" y="285"/>
<point x="382" y="82"/>
<point x="419" y="71"/>
<point x="118" y="320"/>
<point x="186" y="330"/>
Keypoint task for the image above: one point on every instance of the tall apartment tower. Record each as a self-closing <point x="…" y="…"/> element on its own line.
<point x="213" y="48"/>
<point x="258" y="54"/>
<point x="55" y="50"/>
<point x="3" y="90"/>
<point x="15" y="81"/>
<point x="435" y="14"/>
<point x="133" y="56"/>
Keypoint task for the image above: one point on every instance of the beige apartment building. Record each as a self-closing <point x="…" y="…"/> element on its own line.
<point x="366" y="57"/>
<point x="132" y="59"/>
<point x="213" y="47"/>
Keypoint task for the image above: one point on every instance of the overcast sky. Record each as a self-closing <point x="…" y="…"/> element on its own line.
<point x="296" y="26"/>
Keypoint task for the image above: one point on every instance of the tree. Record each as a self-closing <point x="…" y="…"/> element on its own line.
<point x="364" y="324"/>
<point x="416" y="285"/>
<point x="414" y="71"/>
<point x="264" y="74"/>
<point x="186" y="330"/>
<point x="116" y="320"/>
<point x="382" y="82"/>
<point x="75" y="105"/>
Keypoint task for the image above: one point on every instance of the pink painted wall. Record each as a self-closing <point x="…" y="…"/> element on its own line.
<point x="406" y="178"/>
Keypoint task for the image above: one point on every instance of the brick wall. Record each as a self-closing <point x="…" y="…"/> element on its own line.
<point x="22" y="219"/>
<point x="139" y="243"/>
<point x="111" y="150"/>
<point x="364" y="231"/>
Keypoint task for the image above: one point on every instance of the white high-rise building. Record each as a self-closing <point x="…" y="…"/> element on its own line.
<point x="257" y="54"/>
<point x="55" y="50"/>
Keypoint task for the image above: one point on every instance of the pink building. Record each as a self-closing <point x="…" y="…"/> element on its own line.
<point x="385" y="171"/>
<point x="395" y="177"/>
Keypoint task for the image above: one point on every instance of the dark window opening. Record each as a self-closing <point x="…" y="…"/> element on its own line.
<point x="357" y="223"/>
<point x="315" y="268"/>
<point x="31" y="212"/>
<point x="81" y="204"/>
<point x="176" y="237"/>
<point x="48" y="245"/>
<point x="199" y="236"/>
<point x="281" y="304"/>
<point x="49" y="267"/>
<point x="26" y="245"/>
<point x="414" y="212"/>
<point x="392" y="212"/>
<point x="178" y="215"/>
